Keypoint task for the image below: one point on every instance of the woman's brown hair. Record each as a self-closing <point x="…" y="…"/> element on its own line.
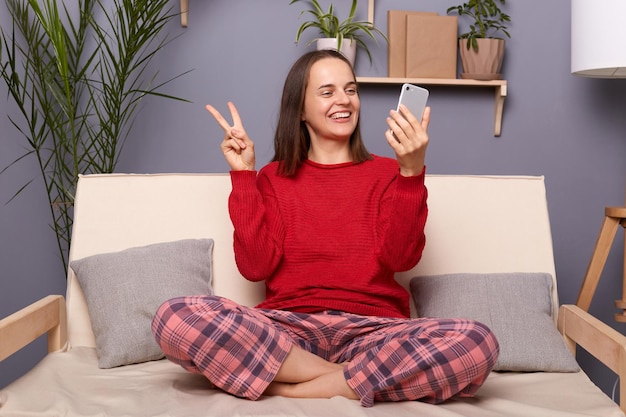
<point x="292" y="140"/>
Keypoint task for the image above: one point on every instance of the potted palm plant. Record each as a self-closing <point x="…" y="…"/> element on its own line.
<point x="77" y="82"/>
<point x="342" y="35"/>
<point x="480" y="48"/>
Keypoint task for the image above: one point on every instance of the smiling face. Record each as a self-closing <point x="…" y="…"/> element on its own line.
<point x="331" y="103"/>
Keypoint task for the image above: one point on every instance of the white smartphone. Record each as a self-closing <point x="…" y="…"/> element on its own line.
<point x="414" y="98"/>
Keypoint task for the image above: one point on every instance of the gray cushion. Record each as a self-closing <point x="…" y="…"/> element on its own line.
<point x="124" y="289"/>
<point x="516" y="306"/>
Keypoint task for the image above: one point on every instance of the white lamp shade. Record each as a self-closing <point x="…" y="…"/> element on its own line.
<point x="599" y="38"/>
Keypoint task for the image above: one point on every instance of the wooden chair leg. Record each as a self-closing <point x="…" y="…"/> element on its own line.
<point x="613" y="217"/>
<point x="621" y="304"/>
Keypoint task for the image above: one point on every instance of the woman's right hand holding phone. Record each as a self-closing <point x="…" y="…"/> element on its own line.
<point x="408" y="137"/>
<point x="237" y="147"/>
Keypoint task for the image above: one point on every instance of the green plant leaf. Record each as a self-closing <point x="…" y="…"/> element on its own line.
<point x="77" y="105"/>
<point x="485" y="17"/>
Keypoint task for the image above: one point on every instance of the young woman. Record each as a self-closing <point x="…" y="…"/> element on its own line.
<point x="326" y="225"/>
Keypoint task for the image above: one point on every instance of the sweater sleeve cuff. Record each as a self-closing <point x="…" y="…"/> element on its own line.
<point x="242" y="178"/>
<point x="405" y="183"/>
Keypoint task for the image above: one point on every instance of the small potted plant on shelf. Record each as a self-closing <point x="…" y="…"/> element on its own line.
<point x="342" y="35"/>
<point x="480" y="48"/>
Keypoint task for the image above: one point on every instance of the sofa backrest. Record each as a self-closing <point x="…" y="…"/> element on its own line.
<point x="476" y="224"/>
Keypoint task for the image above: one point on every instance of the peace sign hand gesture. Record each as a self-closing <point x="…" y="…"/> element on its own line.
<point x="237" y="147"/>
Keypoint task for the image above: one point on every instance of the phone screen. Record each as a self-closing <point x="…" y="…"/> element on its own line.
<point x="414" y="98"/>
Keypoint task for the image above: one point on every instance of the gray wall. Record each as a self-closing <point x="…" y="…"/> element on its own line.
<point x="572" y="130"/>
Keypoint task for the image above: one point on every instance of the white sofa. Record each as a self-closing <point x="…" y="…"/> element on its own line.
<point x="485" y="225"/>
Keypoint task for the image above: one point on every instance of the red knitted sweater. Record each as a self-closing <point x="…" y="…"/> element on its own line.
<point x="331" y="237"/>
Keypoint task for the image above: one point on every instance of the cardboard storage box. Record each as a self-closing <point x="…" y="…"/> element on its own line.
<point x="396" y="33"/>
<point x="422" y="44"/>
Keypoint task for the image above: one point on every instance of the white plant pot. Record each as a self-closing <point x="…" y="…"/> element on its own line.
<point x="348" y="47"/>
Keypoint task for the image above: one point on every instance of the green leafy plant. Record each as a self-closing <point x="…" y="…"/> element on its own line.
<point x="77" y="82"/>
<point x="487" y="20"/>
<point x="330" y="26"/>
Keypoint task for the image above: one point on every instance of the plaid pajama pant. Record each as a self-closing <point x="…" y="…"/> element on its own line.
<point x="240" y="349"/>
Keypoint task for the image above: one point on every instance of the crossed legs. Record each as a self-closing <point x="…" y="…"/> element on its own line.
<point x="250" y="352"/>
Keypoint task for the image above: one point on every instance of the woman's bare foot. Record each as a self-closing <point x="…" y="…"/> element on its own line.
<point x="305" y="375"/>
<point x="325" y="386"/>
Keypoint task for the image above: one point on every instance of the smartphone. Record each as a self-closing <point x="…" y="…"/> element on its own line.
<point x="414" y="98"/>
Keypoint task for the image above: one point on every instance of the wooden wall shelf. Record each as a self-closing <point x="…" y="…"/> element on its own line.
<point x="184" y="12"/>
<point x="498" y="85"/>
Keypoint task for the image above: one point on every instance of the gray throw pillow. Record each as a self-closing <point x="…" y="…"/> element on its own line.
<point x="517" y="307"/>
<point x="124" y="289"/>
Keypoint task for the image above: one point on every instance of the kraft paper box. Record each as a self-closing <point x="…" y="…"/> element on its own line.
<point x="431" y="46"/>
<point x="396" y="33"/>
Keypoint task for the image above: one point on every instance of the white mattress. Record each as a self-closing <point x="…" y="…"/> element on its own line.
<point x="158" y="388"/>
